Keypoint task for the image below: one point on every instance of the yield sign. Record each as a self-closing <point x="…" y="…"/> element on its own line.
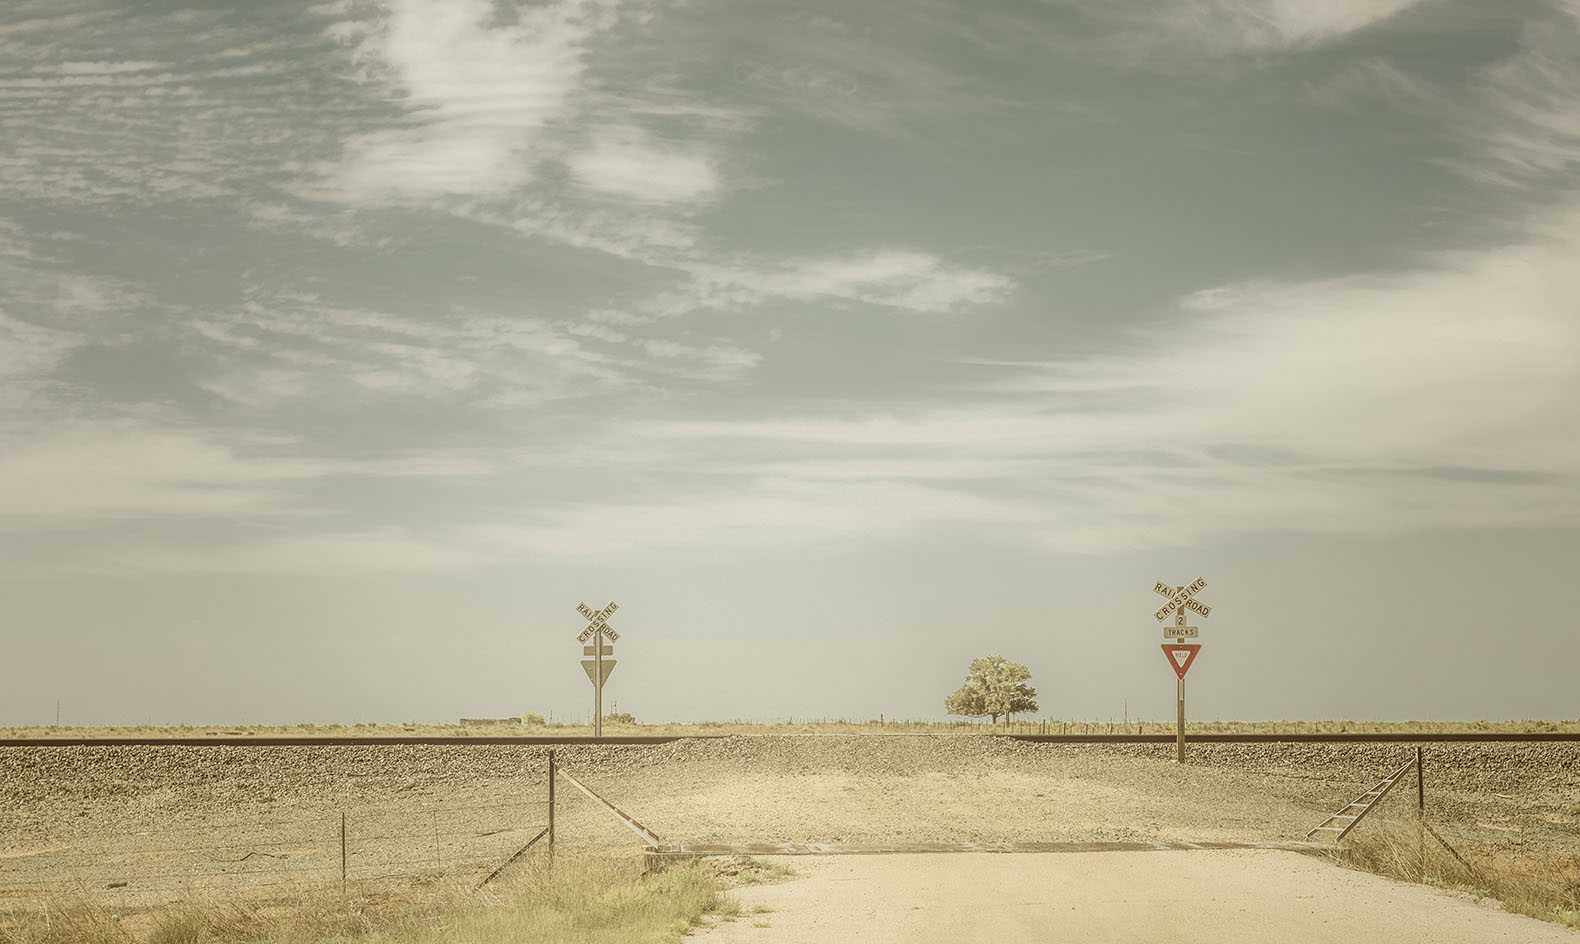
<point x="590" y="666"/>
<point x="1181" y="654"/>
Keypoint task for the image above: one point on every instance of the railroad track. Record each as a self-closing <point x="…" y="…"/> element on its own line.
<point x="266" y="741"/>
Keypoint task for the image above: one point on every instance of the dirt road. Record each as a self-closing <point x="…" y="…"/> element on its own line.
<point x="1221" y="897"/>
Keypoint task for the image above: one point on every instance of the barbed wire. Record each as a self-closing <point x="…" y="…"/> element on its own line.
<point x="328" y="872"/>
<point x="447" y="855"/>
<point x="332" y="818"/>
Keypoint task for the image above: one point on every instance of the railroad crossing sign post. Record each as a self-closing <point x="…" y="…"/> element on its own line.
<point x="1180" y="655"/>
<point x="598" y="668"/>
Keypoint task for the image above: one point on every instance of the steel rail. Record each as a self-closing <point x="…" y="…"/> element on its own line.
<point x="270" y="741"/>
<point x="1389" y="737"/>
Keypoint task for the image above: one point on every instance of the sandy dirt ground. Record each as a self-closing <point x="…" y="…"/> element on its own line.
<point x="138" y="826"/>
<point x="1210" y="897"/>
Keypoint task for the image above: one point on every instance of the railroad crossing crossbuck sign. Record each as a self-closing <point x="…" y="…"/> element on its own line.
<point x="1180" y="654"/>
<point x="598" y="668"/>
<point x="1180" y="600"/>
<point x="597" y="621"/>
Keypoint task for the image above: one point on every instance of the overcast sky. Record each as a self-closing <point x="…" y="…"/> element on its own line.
<point x="346" y="347"/>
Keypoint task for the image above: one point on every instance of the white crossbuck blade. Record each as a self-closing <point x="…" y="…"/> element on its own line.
<point x="607" y="630"/>
<point x="1180" y="597"/>
<point x="598" y="621"/>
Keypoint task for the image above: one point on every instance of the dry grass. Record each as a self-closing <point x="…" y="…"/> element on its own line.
<point x="805" y="726"/>
<point x="589" y="902"/>
<point x="1542" y="886"/>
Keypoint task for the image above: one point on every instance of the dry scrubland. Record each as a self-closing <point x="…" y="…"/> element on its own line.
<point x="576" y="901"/>
<point x="261" y="825"/>
<point x="806" y="726"/>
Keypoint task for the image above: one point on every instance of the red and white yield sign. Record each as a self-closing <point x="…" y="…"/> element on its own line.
<point x="1181" y="655"/>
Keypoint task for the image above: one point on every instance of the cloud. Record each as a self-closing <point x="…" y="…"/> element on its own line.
<point x="86" y="470"/>
<point x="716" y="362"/>
<point x="472" y="95"/>
<point x="292" y="347"/>
<point x="1290" y="23"/>
<point x="166" y="116"/>
<point x="779" y="510"/>
<point x="1371" y="81"/>
<point x="906" y="279"/>
<point x="873" y="67"/>
<point x="388" y="550"/>
<point x="1438" y="397"/>
<point x="1169" y="34"/>
<point x="1524" y="112"/>
<point x="29" y="351"/>
<point x="1517" y="119"/>
<point x="626" y="162"/>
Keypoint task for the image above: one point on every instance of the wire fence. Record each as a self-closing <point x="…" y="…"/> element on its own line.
<point x="357" y="846"/>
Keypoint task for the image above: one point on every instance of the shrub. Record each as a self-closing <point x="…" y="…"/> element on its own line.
<point x="531" y="717"/>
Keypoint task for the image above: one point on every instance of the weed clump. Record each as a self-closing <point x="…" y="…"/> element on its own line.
<point x="1546" y="888"/>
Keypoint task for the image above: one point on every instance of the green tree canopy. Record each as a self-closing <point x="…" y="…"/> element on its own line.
<point x="994" y="687"/>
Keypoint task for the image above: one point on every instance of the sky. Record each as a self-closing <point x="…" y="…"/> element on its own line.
<point x="346" y="347"/>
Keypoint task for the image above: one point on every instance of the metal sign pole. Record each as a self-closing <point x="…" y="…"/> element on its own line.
<point x="1179" y="730"/>
<point x="598" y="685"/>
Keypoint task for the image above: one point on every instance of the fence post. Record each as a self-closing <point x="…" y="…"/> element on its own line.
<point x="551" y="806"/>
<point x="342" y="852"/>
<point x="1420" y="784"/>
<point x="1420" y="811"/>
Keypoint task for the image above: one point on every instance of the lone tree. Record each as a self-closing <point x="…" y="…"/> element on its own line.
<point x="994" y="686"/>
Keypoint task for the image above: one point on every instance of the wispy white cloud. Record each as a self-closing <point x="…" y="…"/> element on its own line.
<point x="874" y="67"/>
<point x="627" y="162"/>
<point x="1171" y="34"/>
<point x="293" y="346"/>
<point x="906" y="279"/>
<point x="290" y="346"/>
<point x="390" y="550"/>
<point x="473" y="94"/>
<point x="1525" y="110"/>
<point x="107" y="108"/>
<point x="715" y="362"/>
<point x="1293" y="23"/>
<point x="1439" y="397"/>
<point x="780" y="510"/>
<point x="30" y="351"/>
<point x="1373" y="81"/>
<point x="89" y="470"/>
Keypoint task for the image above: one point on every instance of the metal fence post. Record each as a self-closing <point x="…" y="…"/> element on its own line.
<point x="342" y="852"/>
<point x="551" y="805"/>
<point x="1420" y="812"/>
<point x="1420" y="784"/>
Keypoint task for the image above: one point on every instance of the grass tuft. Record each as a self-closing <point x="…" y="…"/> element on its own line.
<point x="575" y="902"/>
<point x="1545" y="889"/>
<point x="179" y="929"/>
